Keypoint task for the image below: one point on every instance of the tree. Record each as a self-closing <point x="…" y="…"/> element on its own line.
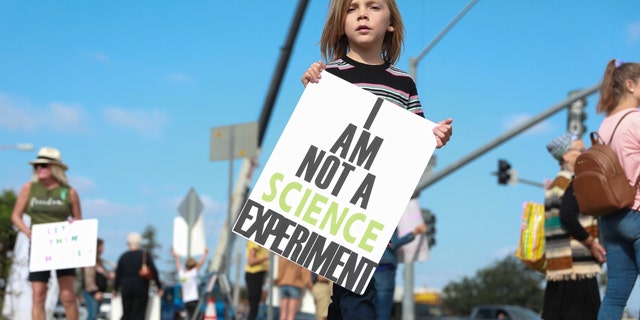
<point x="151" y="245"/>
<point x="7" y="238"/>
<point x="149" y="242"/>
<point x="507" y="281"/>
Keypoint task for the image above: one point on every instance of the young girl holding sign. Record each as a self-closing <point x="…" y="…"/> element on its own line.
<point x="362" y="39"/>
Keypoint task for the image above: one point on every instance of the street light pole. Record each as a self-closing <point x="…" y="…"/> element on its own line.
<point x="437" y="176"/>
<point x="413" y="62"/>
<point x="408" y="304"/>
<point x="18" y="146"/>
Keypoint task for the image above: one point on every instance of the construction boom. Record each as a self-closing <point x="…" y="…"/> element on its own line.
<point x="243" y="184"/>
<point x="218" y="263"/>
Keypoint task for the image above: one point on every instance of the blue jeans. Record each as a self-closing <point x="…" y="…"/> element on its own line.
<point x="620" y="234"/>
<point x="92" y="305"/>
<point x="347" y="305"/>
<point x="385" y="285"/>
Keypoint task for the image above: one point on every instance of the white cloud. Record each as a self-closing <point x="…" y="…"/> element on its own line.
<point x="149" y="123"/>
<point x="178" y="78"/>
<point x="61" y="117"/>
<point x="82" y="184"/>
<point x="214" y="207"/>
<point x="100" y="57"/>
<point x="21" y="116"/>
<point x="15" y="116"/>
<point x="634" y="32"/>
<point x="99" y="207"/>
<point x="210" y="207"/>
<point x="515" y="120"/>
<point x="503" y="252"/>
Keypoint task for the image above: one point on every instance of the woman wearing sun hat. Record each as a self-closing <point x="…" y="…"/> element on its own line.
<point x="47" y="198"/>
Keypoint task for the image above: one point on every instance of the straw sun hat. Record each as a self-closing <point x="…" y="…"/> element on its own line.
<point x="50" y="156"/>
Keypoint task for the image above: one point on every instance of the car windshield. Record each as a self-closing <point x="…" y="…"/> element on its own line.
<point x="428" y="310"/>
<point x="524" y="314"/>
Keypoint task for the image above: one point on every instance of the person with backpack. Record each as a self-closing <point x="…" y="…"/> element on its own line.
<point x="620" y="231"/>
<point x="572" y="253"/>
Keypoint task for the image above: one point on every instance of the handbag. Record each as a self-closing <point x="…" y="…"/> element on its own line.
<point x="145" y="272"/>
<point x="531" y="248"/>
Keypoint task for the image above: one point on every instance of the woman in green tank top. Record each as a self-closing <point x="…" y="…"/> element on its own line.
<point x="48" y="198"/>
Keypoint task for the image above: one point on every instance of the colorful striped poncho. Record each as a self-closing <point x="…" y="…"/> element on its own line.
<point x="567" y="258"/>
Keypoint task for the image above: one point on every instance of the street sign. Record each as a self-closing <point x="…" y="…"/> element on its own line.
<point x="190" y="208"/>
<point x="234" y="141"/>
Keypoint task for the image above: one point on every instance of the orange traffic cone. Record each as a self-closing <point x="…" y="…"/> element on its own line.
<point x="210" y="311"/>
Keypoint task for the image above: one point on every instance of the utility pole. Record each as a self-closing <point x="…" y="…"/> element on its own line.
<point x="18" y="146"/>
<point x="408" y="303"/>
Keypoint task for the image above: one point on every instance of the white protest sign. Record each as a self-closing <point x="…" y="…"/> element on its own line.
<point x="180" y="232"/>
<point x="337" y="181"/>
<point x="63" y="245"/>
<point x="418" y="249"/>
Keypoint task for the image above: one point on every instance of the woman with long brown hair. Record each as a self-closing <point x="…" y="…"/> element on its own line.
<point x="620" y="231"/>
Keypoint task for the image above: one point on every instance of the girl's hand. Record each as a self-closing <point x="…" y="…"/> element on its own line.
<point x="421" y="228"/>
<point x="598" y="252"/>
<point x="313" y="73"/>
<point x="443" y="132"/>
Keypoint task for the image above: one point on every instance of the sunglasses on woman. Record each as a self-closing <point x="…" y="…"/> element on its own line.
<point x="41" y="165"/>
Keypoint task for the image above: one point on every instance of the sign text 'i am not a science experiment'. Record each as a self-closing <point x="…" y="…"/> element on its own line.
<point x="337" y="182"/>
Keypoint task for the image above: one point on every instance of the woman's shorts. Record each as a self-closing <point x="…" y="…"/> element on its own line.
<point x="290" y="292"/>
<point x="43" y="276"/>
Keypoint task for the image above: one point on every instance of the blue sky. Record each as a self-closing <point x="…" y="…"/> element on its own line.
<point x="129" y="91"/>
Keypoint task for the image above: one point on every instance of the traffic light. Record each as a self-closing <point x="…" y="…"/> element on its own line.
<point x="430" y="220"/>
<point x="504" y="171"/>
<point x="576" y="116"/>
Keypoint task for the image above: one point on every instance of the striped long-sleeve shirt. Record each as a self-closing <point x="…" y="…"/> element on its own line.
<point x="385" y="80"/>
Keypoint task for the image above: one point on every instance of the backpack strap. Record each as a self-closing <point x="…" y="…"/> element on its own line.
<point x="635" y="185"/>
<point x="616" y="127"/>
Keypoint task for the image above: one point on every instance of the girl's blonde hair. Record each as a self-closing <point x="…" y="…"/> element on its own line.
<point x="56" y="171"/>
<point x="190" y="263"/>
<point x="334" y="43"/>
<point x="613" y="83"/>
